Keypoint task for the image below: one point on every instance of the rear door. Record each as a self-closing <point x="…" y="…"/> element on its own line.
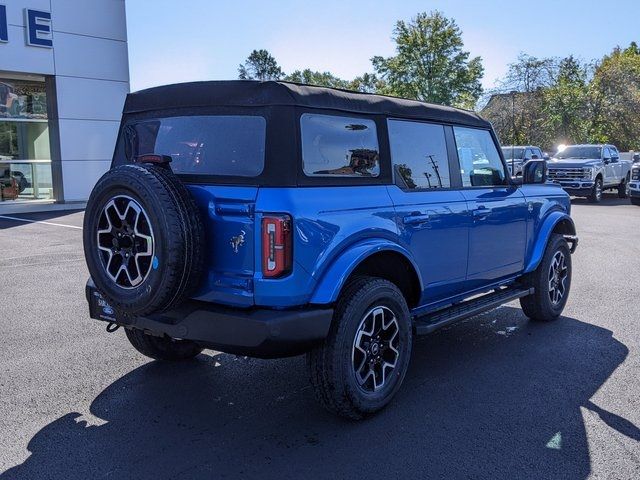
<point x="431" y="214"/>
<point x="497" y="235"/>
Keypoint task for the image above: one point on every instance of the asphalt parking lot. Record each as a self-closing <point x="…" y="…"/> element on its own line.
<point x="492" y="397"/>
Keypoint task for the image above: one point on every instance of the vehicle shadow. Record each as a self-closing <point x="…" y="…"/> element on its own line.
<point x="493" y="397"/>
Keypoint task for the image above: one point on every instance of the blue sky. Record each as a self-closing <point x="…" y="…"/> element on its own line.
<point x="172" y="41"/>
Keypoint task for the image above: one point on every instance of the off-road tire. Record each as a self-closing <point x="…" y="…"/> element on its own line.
<point x="623" y="188"/>
<point x="595" y="196"/>
<point x="330" y="364"/>
<point x="538" y="306"/>
<point x="178" y="238"/>
<point x="162" y="348"/>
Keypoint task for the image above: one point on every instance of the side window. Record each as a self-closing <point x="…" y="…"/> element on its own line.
<point x="419" y="154"/>
<point x="480" y="162"/>
<point x="537" y="154"/>
<point x="614" y="152"/>
<point x="334" y="146"/>
<point x="606" y="153"/>
<point x="527" y="154"/>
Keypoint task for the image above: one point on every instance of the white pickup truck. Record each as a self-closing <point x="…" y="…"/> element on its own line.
<point x="588" y="170"/>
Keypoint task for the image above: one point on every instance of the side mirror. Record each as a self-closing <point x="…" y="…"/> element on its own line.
<point x="606" y="160"/>
<point x="534" y="171"/>
<point x="615" y="159"/>
<point x="636" y="157"/>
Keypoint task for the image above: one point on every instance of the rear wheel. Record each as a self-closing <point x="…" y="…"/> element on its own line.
<point x="596" y="191"/>
<point x="162" y="348"/>
<point x="551" y="281"/>
<point x="623" y="188"/>
<point x="362" y="363"/>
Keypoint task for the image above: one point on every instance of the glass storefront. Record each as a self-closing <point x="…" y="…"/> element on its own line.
<point x="25" y="153"/>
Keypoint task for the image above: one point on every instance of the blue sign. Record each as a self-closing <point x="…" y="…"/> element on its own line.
<point x="4" y="25"/>
<point x="38" y="27"/>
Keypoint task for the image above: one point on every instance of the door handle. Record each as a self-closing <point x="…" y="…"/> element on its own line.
<point x="416" y="219"/>
<point x="481" y="213"/>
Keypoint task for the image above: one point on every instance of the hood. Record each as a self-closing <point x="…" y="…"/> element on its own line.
<point x="574" y="162"/>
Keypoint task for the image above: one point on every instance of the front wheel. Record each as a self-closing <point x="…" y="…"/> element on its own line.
<point x="551" y="281"/>
<point x="162" y="348"/>
<point x="623" y="188"/>
<point x="596" y="191"/>
<point x="362" y="363"/>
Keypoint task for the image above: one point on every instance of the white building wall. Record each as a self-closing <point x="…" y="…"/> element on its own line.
<point x="90" y="62"/>
<point x="92" y="80"/>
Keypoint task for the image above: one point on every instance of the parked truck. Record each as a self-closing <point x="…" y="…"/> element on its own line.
<point x="588" y="170"/>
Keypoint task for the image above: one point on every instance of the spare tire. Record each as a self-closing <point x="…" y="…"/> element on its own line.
<point x="143" y="239"/>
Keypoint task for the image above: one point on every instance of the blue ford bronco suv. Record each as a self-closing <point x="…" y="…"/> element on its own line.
<point x="272" y="219"/>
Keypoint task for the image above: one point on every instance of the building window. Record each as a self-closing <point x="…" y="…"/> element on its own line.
<point x="25" y="154"/>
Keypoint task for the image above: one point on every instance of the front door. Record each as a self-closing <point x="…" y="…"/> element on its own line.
<point x="499" y="211"/>
<point x="609" y="167"/>
<point x="432" y="218"/>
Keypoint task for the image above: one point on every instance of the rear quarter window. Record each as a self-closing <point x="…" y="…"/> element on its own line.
<point x="336" y="146"/>
<point x="227" y="145"/>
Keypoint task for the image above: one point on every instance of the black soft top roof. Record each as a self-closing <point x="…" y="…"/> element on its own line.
<point x="251" y="93"/>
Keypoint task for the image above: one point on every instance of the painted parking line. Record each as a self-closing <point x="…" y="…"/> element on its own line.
<point x="6" y="217"/>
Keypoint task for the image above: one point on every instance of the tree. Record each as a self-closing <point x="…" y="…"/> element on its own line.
<point x="367" y="83"/>
<point x="529" y="74"/>
<point x="430" y="63"/>
<point x="260" y="65"/>
<point x="615" y="99"/>
<point x="321" y="79"/>
<point x="566" y="103"/>
<point x="516" y="106"/>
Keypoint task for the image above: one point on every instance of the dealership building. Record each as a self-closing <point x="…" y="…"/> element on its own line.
<point x="64" y="75"/>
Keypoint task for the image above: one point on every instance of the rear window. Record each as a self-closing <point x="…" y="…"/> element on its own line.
<point x="335" y="146"/>
<point x="201" y="145"/>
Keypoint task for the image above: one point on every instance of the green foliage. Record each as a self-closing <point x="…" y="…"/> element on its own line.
<point x="551" y="101"/>
<point x="565" y="102"/>
<point x="615" y="98"/>
<point x="321" y="79"/>
<point x="260" y="65"/>
<point x="430" y="63"/>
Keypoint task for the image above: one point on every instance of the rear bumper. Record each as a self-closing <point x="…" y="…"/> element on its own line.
<point x="263" y="333"/>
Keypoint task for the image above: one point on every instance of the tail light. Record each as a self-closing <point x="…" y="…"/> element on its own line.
<point x="276" y="245"/>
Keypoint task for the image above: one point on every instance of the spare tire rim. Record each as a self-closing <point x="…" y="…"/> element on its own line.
<point x="375" y="349"/>
<point x="558" y="273"/>
<point x="125" y="242"/>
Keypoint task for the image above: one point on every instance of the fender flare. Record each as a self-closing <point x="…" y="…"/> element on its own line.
<point x="330" y="284"/>
<point x="543" y="236"/>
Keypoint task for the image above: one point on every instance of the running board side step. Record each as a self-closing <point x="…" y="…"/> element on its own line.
<point x="440" y="318"/>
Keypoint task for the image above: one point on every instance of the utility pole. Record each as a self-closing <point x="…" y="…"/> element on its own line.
<point x="513" y="129"/>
